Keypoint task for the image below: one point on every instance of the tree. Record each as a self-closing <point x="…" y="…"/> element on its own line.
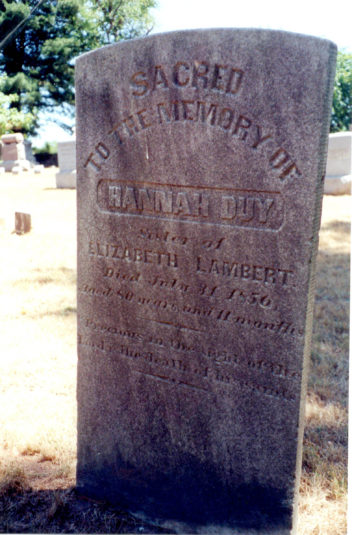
<point x="39" y="58"/>
<point x="121" y="19"/>
<point x="11" y="119"/>
<point x="341" y="118"/>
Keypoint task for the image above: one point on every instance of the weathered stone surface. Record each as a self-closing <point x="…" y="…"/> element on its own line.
<point x="201" y="158"/>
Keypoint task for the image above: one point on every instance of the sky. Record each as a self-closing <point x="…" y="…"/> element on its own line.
<point x="328" y="19"/>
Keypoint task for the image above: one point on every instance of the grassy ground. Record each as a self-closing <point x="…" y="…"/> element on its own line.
<point x="38" y="372"/>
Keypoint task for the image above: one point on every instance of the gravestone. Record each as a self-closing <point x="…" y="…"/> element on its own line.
<point x="66" y="151"/>
<point x="13" y="153"/>
<point x="23" y="222"/>
<point x="201" y="157"/>
<point x="339" y="164"/>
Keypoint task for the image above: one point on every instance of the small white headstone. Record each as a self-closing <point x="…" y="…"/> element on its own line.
<point x="66" y="152"/>
<point x="339" y="164"/>
<point x="66" y="177"/>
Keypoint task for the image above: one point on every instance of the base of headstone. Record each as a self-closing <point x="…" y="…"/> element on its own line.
<point x="2" y="170"/>
<point x="22" y="223"/>
<point x="9" y="165"/>
<point x="254" y="519"/>
<point x="66" y="179"/>
<point x="338" y="185"/>
<point x="38" y="169"/>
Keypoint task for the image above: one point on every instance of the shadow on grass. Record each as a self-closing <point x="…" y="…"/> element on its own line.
<point x="62" y="511"/>
<point x="61" y="275"/>
<point x="341" y="227"/>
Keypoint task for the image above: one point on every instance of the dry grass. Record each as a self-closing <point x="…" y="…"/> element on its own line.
<point x="323" y="497"/>
<point x="38" y="371"/>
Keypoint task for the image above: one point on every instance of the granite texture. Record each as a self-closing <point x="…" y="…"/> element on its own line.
<point x="200" y="164"/>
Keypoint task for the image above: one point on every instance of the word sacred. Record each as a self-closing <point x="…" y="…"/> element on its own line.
<point x="196" y="74"/>
<point x="230" y="207"/>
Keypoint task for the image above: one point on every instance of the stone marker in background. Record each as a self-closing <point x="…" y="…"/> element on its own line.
<point x="339" y="164"/>
<point x="29" y="153"/>
<point x="66" y="177"/>
<point x="38" y="169"/>
<point x="201" y="158"/>
<point x="22" y="223"/>
<point x="13" y="153"/>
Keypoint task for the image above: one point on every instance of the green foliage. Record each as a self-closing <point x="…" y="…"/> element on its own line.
<point x="49" y="147"/>
<point x="11" y="119"/>
<point x="121" y="19"/>
<point x="341" y="118"/>
<point x="38" y="59"/>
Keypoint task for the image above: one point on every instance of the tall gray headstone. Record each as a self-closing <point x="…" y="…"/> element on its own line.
<point x="201" y="158"/>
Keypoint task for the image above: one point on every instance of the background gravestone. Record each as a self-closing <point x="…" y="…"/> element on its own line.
<point x="23" y="223"/>
<point x="201" y="158"/>
<point x="13" y="153"/>
<point x="66" y="151"/>
<point x="29" y="153"/>
<point x="339" y="164"/>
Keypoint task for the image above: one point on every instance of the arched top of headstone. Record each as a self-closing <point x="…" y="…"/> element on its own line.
<point x="12" y="138"/>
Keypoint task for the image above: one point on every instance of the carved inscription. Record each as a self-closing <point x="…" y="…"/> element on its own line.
<point x="228" y="120"/>
<point x="207" y="313"/>
<point x="257" y="209"/>
<point x="219" y="291"/>
<point x="120" y="251"/>
<point x="196" y="74"/>
<point x="216" y="367"/>
<point x="209" y="353"/>
<point x="200" y="77"/>
<point x="265" y="275"/>
<point x="207" y="264"/>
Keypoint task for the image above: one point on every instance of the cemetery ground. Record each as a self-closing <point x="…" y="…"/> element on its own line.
<point x="38" y="372"/>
